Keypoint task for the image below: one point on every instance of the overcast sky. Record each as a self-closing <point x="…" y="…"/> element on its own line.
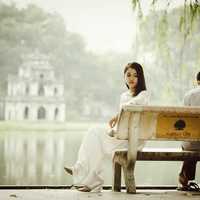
<point x="104" y="24"/>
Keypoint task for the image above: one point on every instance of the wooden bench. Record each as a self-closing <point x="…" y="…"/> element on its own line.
<point x="140" y="123"/>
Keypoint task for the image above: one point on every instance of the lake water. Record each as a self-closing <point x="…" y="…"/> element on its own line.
<point x="38" y="158"/>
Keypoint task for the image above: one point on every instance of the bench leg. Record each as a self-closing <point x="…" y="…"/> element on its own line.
<point x="117" y="177"/>
<point x="129" y="178"/>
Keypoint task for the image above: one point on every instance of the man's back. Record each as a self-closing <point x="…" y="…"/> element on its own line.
<point x="192" y="98"/>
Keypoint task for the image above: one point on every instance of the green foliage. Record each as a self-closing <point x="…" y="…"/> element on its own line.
<point x="189" y="14"/>
<point x="174" y="58"/>
<point x="135" y="3"/>
<point x="137" y="6"/>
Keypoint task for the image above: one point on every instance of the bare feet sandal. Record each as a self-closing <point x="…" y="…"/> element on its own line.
<point x="68" y="170"/>
<point x="183" y="180"/>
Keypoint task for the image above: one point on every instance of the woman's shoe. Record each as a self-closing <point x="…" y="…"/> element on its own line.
<point x="95" y="189"/>
<point x="84" y="189"/>
<point x="68" y="170"/>
<point x="74" y="187"/>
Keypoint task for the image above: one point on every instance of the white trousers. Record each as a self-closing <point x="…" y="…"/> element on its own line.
<point x="95" y="146"/>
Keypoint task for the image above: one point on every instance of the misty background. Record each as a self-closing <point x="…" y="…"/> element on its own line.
<point x="89" y="42"/>
<point x="95" y="78"/>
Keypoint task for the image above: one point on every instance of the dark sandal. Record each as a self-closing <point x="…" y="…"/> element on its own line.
<point x="184" y="188"/>
<point x="194" y="187"/>
<point x="191" y="187"/>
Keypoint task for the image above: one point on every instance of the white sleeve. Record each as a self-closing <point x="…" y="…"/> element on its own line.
<point x="123" y="100"/>
<point x="187" y="100"/>
<point x="141" y="99"/>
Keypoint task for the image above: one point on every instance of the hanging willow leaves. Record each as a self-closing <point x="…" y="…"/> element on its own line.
<point x="137" y="6"/>
<point x="168" y="41"/>
<point x="190" y="13"/>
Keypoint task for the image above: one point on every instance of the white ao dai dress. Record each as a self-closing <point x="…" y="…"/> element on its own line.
<point x="97" y="144"/>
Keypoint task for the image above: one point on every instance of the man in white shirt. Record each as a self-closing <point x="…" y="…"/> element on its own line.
<point x="192" y="98"/>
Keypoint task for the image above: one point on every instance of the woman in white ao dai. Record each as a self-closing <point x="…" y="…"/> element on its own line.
<point x="87" y="171"/>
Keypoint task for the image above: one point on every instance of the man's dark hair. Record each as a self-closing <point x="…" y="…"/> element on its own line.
<point x="198" y="76"/>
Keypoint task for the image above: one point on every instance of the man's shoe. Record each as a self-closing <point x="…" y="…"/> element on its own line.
<point x="191" y="187"/>
<point x="68" y="170"/>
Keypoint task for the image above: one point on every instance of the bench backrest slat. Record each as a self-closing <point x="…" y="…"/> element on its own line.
<point x="161" y="123"/>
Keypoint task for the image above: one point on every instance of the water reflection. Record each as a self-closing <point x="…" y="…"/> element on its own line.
<point x="37" y="157"/>
<point x="34" y="158"/>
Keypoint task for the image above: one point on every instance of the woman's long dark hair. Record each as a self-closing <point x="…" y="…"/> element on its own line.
<point x="141" y="85"/>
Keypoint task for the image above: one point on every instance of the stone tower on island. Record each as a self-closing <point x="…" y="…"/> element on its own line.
<point x="35" y="93"/>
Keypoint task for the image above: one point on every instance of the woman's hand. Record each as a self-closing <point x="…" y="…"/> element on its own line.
<point x="113" y="121"/>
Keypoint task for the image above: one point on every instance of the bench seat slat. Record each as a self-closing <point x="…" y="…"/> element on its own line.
<point x="163" y="155"/>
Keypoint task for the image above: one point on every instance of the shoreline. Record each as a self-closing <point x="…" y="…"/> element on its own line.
<point x="46" y="126"/>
